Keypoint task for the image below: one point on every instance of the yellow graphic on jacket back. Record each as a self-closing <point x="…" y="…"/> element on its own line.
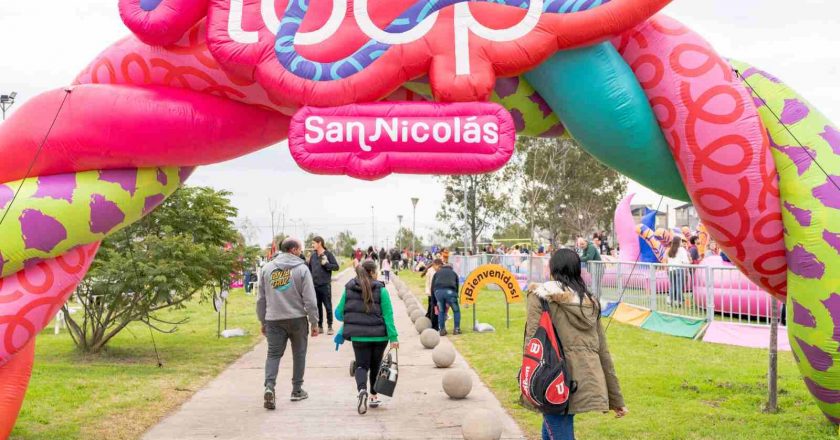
<point x="281" y="279"/>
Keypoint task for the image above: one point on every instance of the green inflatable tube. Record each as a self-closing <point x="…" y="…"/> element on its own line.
<point x="806" y="149"/>
<point x="599" y="100"/>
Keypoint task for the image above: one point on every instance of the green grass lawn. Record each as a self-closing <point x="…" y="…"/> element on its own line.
<point x="121" y="393"/>
<point x="675" y="388"/>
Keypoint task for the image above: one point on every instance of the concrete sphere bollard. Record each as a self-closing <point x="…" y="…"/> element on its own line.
<point x="416" y="314"/>
<point x="481" y="424"/>
<point x="422" y="324"/>
<point x="430" y="337"/>
<point x="443" y="356"/>
<point x="457" y="384"/>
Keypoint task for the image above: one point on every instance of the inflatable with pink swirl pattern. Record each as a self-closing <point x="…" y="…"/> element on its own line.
<point x="444" y="85"/>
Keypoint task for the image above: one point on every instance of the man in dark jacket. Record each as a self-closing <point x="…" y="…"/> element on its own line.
<point x="322" y="264"/>
<point x="445" y="287"/>
<point x="396" y="258"/>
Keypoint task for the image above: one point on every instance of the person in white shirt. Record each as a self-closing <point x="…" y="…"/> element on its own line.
<point x="678" y="276"/>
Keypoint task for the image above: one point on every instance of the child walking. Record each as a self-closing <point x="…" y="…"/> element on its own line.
<point x="386" y="269"/>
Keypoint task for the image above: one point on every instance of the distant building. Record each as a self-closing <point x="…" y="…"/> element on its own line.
<point x="686" y="215"/>
<point x="639" y="210"/>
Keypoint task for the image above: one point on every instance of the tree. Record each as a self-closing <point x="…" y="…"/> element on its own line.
<point x="405" y="238"/>
<point x="159" y="262"/>
<point x="345" y="244"/>
<point x="516" y="230"/>
<point x="249" y="256"/>
<point x="278" y="239"/>
<point x="309" y="238"/>
<point x="249" y="231"/>
<point x="487" y="204"/>
<point x="564" y="191"/>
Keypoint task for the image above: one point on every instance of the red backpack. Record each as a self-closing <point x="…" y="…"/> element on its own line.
<point x="544" y="379"/>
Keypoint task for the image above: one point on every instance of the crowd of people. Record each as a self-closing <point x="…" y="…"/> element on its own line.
<point x="294" y="303"/>
<point x="442" y="283"/>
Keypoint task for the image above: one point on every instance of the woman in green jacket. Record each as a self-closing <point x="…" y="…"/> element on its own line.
<point x="365" y="308"/>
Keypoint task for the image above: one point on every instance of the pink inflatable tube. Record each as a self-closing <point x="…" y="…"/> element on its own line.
<point x="370" y="141"/>
<point x="718" y="141"/>
<point x="131" y="127"/>
<point x="186" y="64"/>
<point x="639" y="280"/>
<point x="30" y="298"/>
<point x="734" y="293"/>
<point x="161" y="22"/>
<point x="625" y="230"/>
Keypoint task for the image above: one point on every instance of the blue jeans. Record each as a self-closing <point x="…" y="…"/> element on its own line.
<point x="444" y="298"/>
<point x="558" y="427"/>
<point x="677" y="281"/>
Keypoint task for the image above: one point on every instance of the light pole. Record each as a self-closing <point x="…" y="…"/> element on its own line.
<point x="372" y="226"/>
<point x="6" y="102"/>
<point x="399" y="238"/>
<point x="414" y="201"/>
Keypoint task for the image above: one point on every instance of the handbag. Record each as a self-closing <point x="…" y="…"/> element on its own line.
<point x="386" y="380"/>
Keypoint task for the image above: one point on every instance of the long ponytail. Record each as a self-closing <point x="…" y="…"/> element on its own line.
<point x="365" y="280"/>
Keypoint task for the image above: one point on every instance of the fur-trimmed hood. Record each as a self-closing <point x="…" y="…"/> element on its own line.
<point x="581" y="316"/>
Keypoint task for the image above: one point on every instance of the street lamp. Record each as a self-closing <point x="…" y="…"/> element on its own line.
<point x="399" y="238"/>
<point x="373" y="226"/>
<point x="6" y="102"/>
<point x="414" y="201"/>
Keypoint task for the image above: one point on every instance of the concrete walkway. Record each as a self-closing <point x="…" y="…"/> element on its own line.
<point x="230" y="407"/>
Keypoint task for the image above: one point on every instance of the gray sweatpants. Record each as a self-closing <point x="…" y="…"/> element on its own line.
<point x="278" y="334"/>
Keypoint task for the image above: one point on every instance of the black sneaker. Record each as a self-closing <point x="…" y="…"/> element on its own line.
<point x="268" y="397"/>
<point x="297" y="396"/>
<point x="443" y="332"/>
<point x="457" y="331"/>
<point x="363" y="398"/>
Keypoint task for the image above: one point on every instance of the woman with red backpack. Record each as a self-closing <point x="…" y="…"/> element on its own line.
<point x="574" y="377"/>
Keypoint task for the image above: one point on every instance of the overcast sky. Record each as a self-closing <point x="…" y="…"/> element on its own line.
<point x="45" y="43"/>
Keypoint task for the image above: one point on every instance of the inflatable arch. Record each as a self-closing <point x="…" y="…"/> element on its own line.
<point x="204" y="81"/>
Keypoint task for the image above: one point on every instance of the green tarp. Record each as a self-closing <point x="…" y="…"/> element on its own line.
<point x="674" y="325"/>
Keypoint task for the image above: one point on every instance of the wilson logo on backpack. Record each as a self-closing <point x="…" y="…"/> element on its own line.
<point x="543" y="379"/>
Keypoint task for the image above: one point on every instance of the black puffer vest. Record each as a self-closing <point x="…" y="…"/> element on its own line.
<point x="357" y="322"/>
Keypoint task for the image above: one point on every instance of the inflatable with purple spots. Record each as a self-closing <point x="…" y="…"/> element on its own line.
<point x="204" y="81"/>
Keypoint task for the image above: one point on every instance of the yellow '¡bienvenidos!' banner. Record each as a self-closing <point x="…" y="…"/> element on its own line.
<point x="487" y="274"/>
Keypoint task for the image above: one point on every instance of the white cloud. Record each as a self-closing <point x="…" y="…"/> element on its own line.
<point x="44" y="44"/>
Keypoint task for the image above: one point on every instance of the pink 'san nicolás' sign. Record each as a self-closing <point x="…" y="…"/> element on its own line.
<point x="370" y="141"/>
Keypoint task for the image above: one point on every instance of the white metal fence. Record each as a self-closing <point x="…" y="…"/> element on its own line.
<point x="709" y="292"/>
